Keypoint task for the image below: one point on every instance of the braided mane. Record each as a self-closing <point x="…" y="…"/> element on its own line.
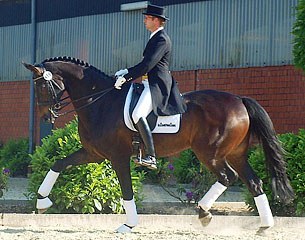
<point x="68" y="59"/>
<point x="75" y="61"/>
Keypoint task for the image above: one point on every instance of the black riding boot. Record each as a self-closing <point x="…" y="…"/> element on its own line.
<point x="150" y="159"/>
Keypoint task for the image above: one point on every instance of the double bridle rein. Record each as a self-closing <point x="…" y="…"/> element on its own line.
<point x="57" y="103"/>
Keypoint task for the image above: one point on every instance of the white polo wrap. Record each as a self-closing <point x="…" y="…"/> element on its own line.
<point x="131" y="212"/>
<point x="211" y="196"/>
<point x="43" y="203"/>
<point x="264" y="210"/>
<point x="48" y="183"/>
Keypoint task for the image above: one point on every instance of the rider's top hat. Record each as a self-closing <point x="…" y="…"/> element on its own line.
<point x="156" y="11"/>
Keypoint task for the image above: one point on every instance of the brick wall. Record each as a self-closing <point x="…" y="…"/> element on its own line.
<point x="279" y="89"/>
<point x="14" y="110"/>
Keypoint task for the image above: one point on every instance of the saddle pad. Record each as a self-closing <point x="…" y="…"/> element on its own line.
<point x="164" y="124"/>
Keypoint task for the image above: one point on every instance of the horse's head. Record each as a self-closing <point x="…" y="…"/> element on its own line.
<point x="49" y="88"/>
<point x="84" y="83"/>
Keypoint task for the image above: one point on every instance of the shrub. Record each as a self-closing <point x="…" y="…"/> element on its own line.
<point x="193" y="180"/>
<point x="188" y="169"/>
<point x="88" y="188"/>
<point x="186" y="166"/>
<point x="14" y="156"/>
<point x="4" y="173"/>
<point x="294" y="145"/>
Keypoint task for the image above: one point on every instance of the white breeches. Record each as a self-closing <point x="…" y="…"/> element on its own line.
<point x="144" y="105"/>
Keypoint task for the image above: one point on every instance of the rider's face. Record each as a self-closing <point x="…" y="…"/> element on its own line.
<point x="151" y="23"/>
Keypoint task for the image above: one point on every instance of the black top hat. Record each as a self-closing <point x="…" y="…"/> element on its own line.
<point x="156" y="11"/>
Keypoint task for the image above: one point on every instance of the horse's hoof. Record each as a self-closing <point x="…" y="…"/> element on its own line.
<point x="262" y="231"/>
<point x="41" y="211"/>
<point x="205" y="217"/>
<point x="43" y="205"/>
<point x="123" y="229"/>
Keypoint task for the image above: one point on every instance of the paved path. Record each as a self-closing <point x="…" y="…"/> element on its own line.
<point x="156" y="201"/>
<point x="17" y="188"/>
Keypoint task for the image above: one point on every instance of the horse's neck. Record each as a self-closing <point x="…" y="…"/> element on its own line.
<point x="80" y="81"/>
<point x="75" y="74"/>
<point x="104" y="113"/>
<point x="99" y="84"/>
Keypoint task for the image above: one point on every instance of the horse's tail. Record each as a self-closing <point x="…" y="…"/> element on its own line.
<point x="262" y="126"/>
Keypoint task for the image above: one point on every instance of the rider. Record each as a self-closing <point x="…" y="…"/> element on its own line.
<point x="160" y="93"/>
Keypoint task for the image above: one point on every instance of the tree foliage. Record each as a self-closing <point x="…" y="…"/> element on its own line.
<point x="299" y="36"/>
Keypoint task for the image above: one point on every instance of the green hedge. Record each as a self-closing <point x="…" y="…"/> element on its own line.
<point x="294" y="145"/>
<point x="88" y="188"/>
<point x="4" y="173"/>
<point x="14" y="156"/>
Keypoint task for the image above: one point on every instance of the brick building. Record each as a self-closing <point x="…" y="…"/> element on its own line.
<point x="237" y="52"/>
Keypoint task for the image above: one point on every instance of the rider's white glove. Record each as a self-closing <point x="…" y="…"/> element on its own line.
<point x="121" y="73"/>
<point x="119" y="82"/>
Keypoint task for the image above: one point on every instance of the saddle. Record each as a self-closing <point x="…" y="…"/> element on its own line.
<point x="157" y="124"/>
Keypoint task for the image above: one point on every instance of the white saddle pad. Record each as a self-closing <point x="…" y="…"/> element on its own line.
<point x="165" y="124"/>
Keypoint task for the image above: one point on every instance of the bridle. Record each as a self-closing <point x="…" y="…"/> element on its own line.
<point x="55" y="91"/>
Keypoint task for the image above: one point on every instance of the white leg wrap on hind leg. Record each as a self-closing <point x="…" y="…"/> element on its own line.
<point x="48" y="183"/>
<point x="211" y="196"/>
<point x="264" y="210"/>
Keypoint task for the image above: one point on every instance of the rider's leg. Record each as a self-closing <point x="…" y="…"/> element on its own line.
<point x="150" y="159"/>
<point x="143" y="108"/>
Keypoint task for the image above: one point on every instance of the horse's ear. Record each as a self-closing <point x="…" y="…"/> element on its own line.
<point x="35" y="70"/>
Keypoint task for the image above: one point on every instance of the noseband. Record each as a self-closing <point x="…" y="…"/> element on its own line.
<point x="55" y="92"/>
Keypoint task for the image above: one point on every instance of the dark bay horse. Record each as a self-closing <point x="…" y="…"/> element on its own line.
<point x="217" y="126"/>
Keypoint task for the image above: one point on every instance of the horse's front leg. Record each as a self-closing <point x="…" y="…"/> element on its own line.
<point x="122" y="169"/>
<point x="77" y="158"/>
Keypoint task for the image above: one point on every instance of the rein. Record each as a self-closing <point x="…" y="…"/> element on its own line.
<point x="58" y="106"/>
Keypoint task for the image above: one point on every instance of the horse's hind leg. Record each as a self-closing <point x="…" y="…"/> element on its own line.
<point x="208" y="200"/>
<point x="43" y="201"/>
<point x="225" y="177"/>
<point x="254" y="185"/>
